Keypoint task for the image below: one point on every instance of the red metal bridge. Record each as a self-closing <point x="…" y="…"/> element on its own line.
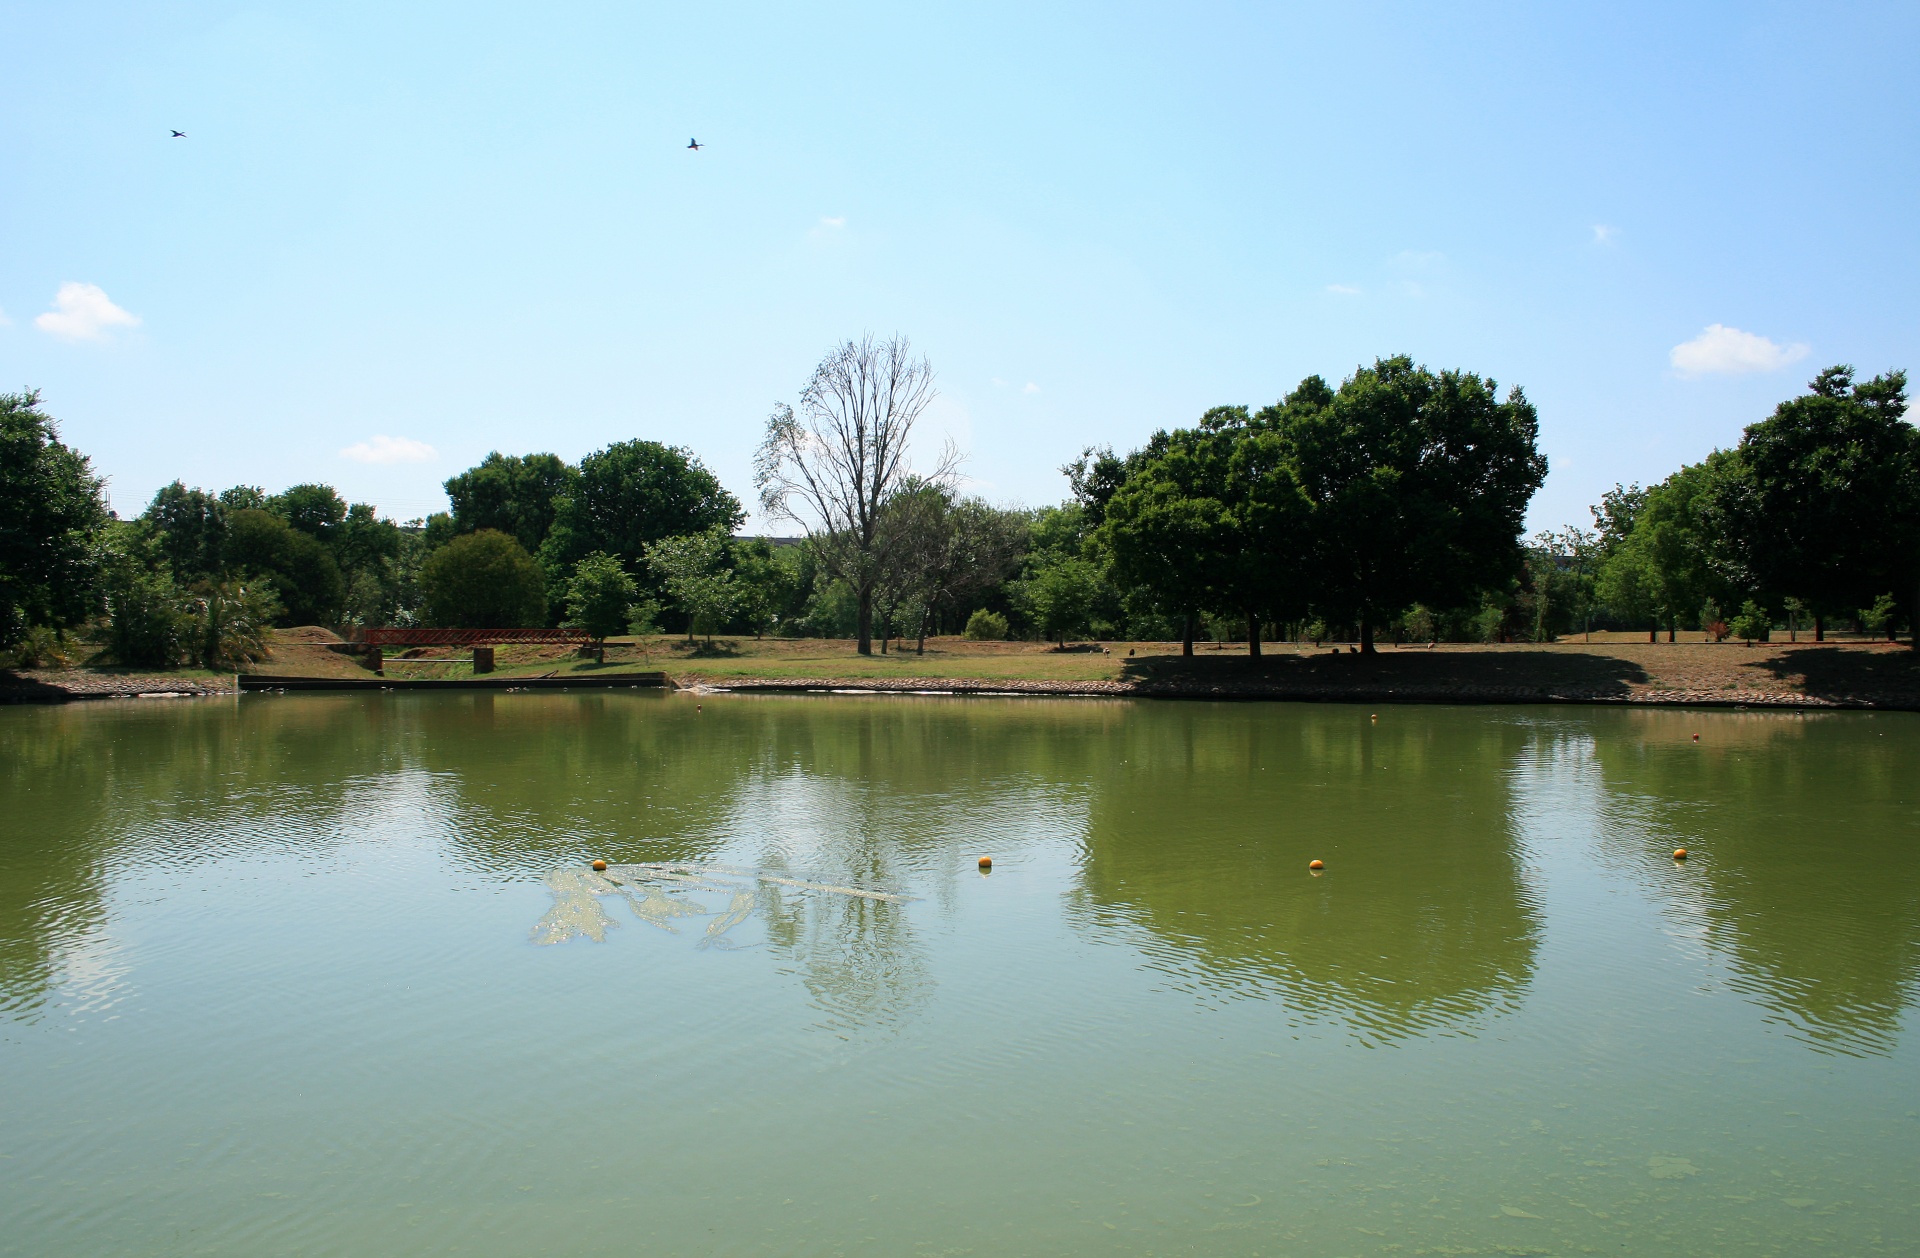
<point x="470" y="637"/>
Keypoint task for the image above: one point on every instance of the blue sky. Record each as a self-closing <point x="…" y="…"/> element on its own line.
<point x="397" y="237"/>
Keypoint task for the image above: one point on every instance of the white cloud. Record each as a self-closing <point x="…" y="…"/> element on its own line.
<point x="1729" y="351"/>
<point x="1344" y="290"/>
<point x="1604" y="235"/>
<point x="81" y="312"/>
<point x="837" y="221"/>
<point x="1031" y="388"/>
<point x="4" y="321"/>
<point x="385" y="449"/>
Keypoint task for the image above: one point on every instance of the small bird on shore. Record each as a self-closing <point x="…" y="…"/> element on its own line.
<point x="178" y="135"/>
<point x="695" y="145"/>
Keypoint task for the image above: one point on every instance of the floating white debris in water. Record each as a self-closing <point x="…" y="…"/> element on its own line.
<point x="658" y="892"/>
<point x="739" y="911"/>
<point x="1671" y="1168"/>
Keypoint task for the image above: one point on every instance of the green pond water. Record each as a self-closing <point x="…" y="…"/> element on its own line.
<point x="329" y="974"/>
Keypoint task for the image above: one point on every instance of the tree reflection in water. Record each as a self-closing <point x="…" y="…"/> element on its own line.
<point x="1203" y="821"/>
<point x="1805" y="854"/>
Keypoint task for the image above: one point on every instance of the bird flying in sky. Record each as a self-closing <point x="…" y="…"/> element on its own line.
<point x="179" y="135"/>
<point x="695" y="144"/>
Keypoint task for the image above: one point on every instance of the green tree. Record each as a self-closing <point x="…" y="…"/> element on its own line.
<point x="191" y="526"/>
<point x="1629" y="584"/>
<point x="1057" y="595"/>
<point x="306" y="579"/>
<point x="692" y="569"/>
<point x="515" y="494"/>
<point x="1675" y="544"/>
<point x="1827" y="506"/>
<point x="316" y="510"/>
<point x="629" y="496"/>
<point x="769" y="582"/>
<point x="484" y="580"/>
<point x="1417" y="484"/>
<point x="244" y="498"/>
<point x="51" y="507"/>
<point x="601" y="596"/>
<point x="1168" y="530"/>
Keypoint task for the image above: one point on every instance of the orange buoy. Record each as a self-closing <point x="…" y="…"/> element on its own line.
<point x="598" y="865"/>
<point x="1679" y="853"/>
<point x="1316" y="864"/>
<point x="986" y="862"/>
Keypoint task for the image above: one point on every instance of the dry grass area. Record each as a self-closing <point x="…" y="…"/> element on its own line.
<point x="1866" y="673"/>
<point x="1852" y="673"/>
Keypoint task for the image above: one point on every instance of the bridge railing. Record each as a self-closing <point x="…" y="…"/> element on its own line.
<point x="469" y="637"/>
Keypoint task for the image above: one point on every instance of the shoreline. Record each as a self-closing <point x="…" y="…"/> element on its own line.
<point x="1830" y="676"/>
<point x="1258" y="692"/>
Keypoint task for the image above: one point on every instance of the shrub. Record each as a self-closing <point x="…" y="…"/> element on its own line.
<point x="229" y="623"/>
<point x="1752" y="624"/>
<point x="43" y="647"/>
<point x="986" y="626"/>
<point x="1877" y="618"/>
<point x="484" y="580"/>
<point x="145" y="624"/>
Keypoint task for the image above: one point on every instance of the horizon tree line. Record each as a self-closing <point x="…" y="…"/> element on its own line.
<point x="1388" y="506"/>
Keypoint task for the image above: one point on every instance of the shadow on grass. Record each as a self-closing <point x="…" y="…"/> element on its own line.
<point x="1410" y="674"/>
<point x="707" y="650"/>
<point x="1847" y="672"/>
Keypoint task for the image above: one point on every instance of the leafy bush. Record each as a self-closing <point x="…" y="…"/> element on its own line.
<point x="230" y="623"/>
<point x="43" y="647"/>
<point x="600" y="596"/>
<point x="146" y="626"/>
<point x="1752" y="624"/>
<point x="1875" y="619"/>
<point x="986" y="626"/>
<point x="484" y="580"/>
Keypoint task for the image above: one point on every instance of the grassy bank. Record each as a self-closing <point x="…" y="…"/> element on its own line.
<point x="1857" y="673"/>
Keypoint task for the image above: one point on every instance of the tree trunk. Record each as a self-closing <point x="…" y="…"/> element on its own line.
<point x="1366" y="631"/>
<point x="1253" y="635"/>
<point x="1672" y="624"/>
<point x="1186" y="638"/>
<point x="1653" y="630"/>
<point x="863" y="622"/>
<point x="925" y="616"/>
<point x="1819" y="628"/>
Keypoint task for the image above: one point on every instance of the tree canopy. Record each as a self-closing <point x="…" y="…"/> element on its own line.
<point x="1418" y="483"/>
<point x="635" y="493"/>
<point x="51" y="509"/>
<point x="515" y="494"/>
<point x="1825" y="502"/>
<point x="484" y="580"/>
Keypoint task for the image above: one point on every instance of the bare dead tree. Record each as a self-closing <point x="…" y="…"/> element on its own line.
<point x="832" y="465"/>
